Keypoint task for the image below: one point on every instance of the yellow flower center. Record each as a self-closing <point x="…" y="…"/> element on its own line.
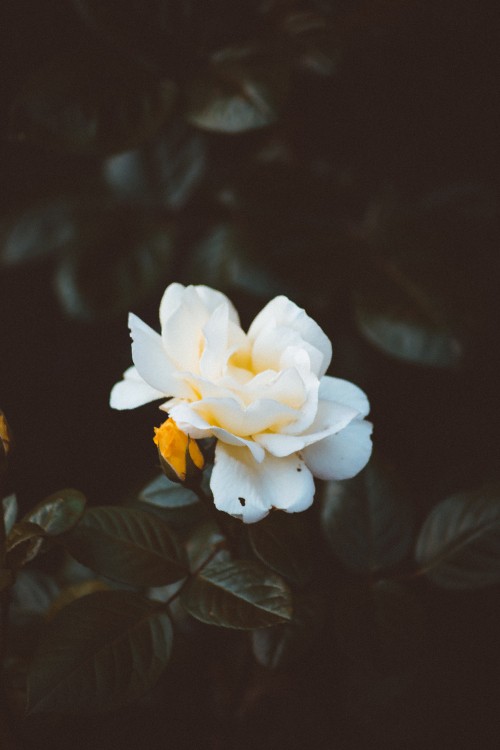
<point x="173" y="445"/>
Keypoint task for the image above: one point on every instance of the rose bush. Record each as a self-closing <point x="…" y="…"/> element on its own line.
<point x="278" y="418"/>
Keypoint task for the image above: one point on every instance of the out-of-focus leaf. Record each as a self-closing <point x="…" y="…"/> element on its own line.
<point x="283" y="644"/>
<point x="368" y="520"/>
<point x="165" y="171"/>
<point x="75" y="591"/>
<point x="315" y="43"/>
<point x="33" y="593"/>
<point x="459" y="544"/>
<point x="243" y="89"/>
<point x="76" y="105"/>
<point x="403" y="318"/>
<point x="224" y="260"/>
<point x="99" y="653"/>
<point x="161" y="491"/>
<point x="24" y="543"/>
<point x="38" y="233"/>
<point x="127" y="545"/>
<point x="123" y="256"/>
<point x="283" y="542"/>
<point x="9" y="506"/>
<point x="59" y="512"/>
<point x="240" y="594"/>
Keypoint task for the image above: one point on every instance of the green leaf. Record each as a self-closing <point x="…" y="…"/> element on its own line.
<point x="59" y="512"/>
<point x="283" y="542"/>
<point x="368" y="520"/>
<point x="9" y="505"/>
<point x="283" y="644"/>
<point x="127" y="545"/>
<point x="225" y="259"/>
<point x="166" y="494"/>
<point x="38" y="233"/>
<point x="75" y="105"/>
<point x="121" y="257"/>
<point x="400" y="312"/>
<point x="202" y="541"/>
<point x="240" y="594"/>
<point x="243" y="89"/>
<point x="459" y="544"/>
<point x="24" y="543"/>
<point x="100" y="652"/>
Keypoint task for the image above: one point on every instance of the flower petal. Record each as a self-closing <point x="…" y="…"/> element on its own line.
<point x="184" y="311"/>
<point x="281" y="312"/>
<point x="196" y="426"/>
<point x="132" y="391"/>
<point x="248" y="490"/>
<point x="343" y="455"/>
<point x="152" y="362"/>
<point x="344" y="392"/>
<point x="330" y="419"/>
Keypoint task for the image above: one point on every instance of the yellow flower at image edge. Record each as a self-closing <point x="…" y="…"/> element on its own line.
<point x="174" y="447"/>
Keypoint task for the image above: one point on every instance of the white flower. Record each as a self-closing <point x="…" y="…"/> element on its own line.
<point x="264" y="395"/>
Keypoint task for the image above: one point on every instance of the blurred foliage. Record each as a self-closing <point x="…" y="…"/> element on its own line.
<point x="344" y="153"/>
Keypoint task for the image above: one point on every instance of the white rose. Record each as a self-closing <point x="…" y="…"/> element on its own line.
<point x="264" y="395"/>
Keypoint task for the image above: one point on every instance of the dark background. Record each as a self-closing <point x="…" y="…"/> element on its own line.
<point x="361" y="178"/>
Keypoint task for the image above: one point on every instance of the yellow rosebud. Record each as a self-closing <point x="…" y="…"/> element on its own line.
<point x="180" y="456"/>
<point x="5" y="436"/>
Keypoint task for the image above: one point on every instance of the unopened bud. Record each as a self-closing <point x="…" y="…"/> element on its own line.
<point x="5" y="439"/>
<point x="180" y="456"/>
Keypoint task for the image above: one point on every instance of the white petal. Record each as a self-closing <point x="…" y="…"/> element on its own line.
<point x="248" y="490"/>
<point x="200" y="296"/>
<point x="344" y="392"/>
<point x="195" y="425"/>
<point x="132" y="391"/>
<point x="330" y="419"/>
<point x="184" y="314"/>
<point x="152" y="362"/>
<point x="215" y="334"/>
<point x="343" y="455"/>
<point x="263" y="414"/>
<point x="281" y="312"/>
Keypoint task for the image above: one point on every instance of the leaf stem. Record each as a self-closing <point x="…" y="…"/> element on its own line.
<point x="217" y="548"/>
<point x="219" y="519"/>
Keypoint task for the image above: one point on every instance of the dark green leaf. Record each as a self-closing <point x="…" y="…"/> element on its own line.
<point x="24" y="543"/>
<point x="283" y="542"/>
<point x="9" y="506"/>
<point x="161" y="491"/>
<point x="59" y="512"/>
<point x="99" y="653"/>
<point x="403" y="315"/>
<point x="367" y="520"/>
<point x="243" y="89"/>
<point x="224" y="260"/>
<point x="459" y="544"/>
<point x="123" y="254"/>
<point x="72" y="104"/>
<point x="165" y="171"/>
<point x="201" y="542"/>
<point x="38" y="233"/>
<point x="127" y="545"/>
<point x="282" y="644"/>
<point x="240" y="594"/>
